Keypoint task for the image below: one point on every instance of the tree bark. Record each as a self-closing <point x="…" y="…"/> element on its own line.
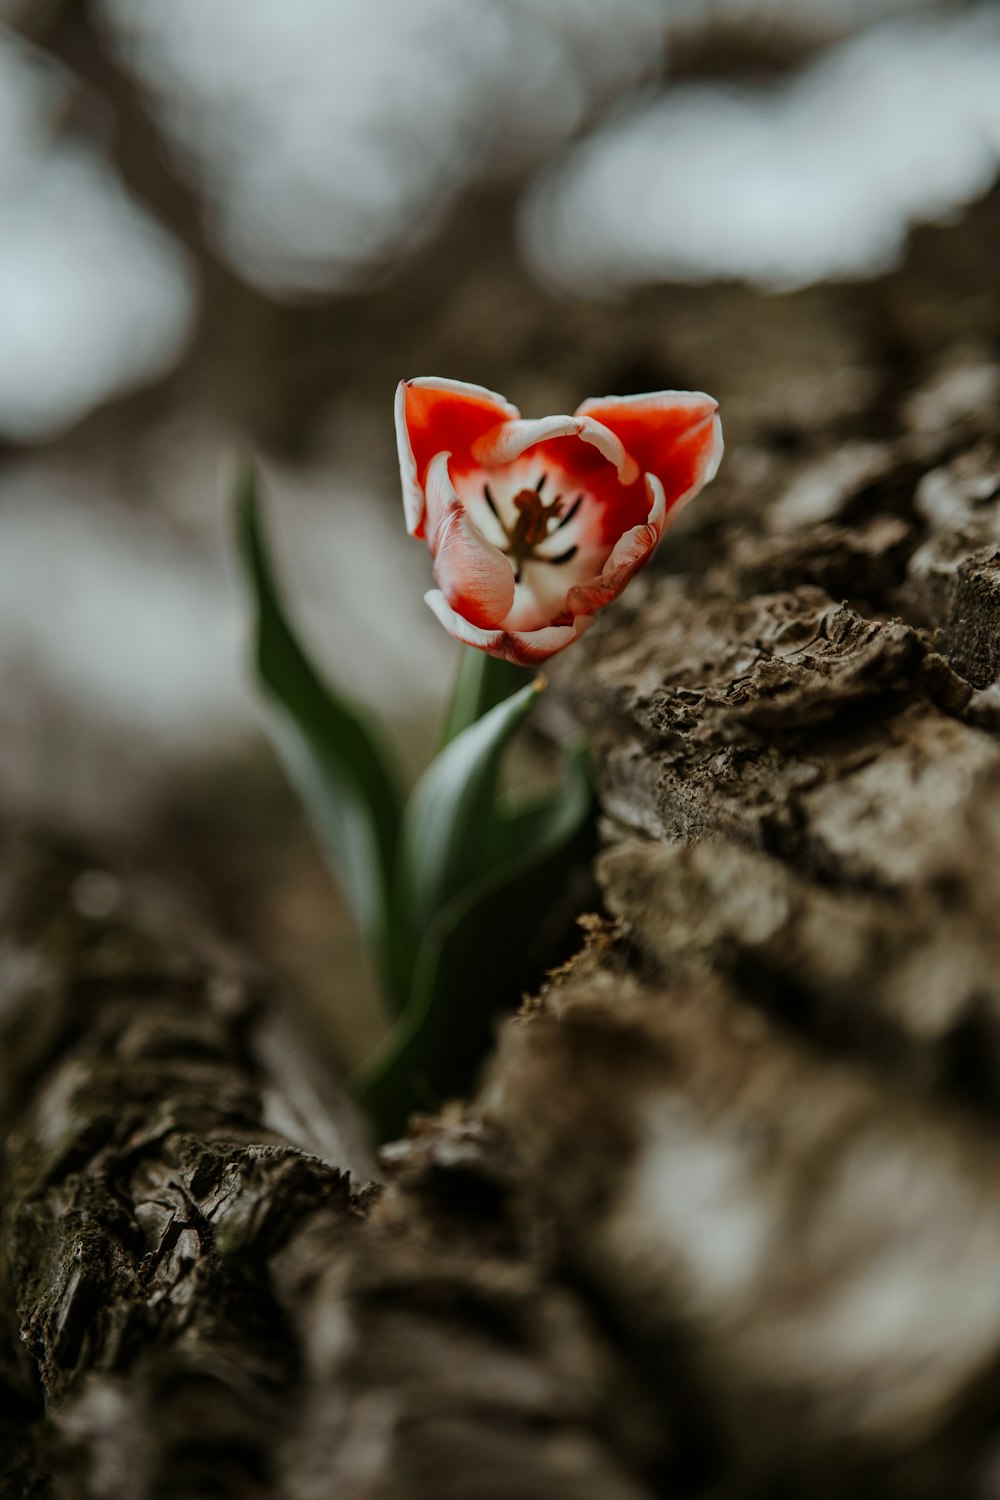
<point x="762" y="1107"/>
<point x="198" y="1299"/>
<point x="724" y="1219"/>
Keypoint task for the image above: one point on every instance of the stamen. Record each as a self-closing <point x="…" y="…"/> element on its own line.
<point x="564" y="520"/>
<point x="537" y="520"/>
<point x="564" y="557"/>
<point x="493" y="507"/>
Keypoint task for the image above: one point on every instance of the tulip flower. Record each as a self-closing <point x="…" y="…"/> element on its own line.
<point x="535" y="525"/>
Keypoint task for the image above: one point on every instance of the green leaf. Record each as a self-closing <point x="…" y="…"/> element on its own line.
<point x="330" y="752"/>
<point x="483" y="681"/>
<point x="447" y="833"/>
<point x="477" y="956"/>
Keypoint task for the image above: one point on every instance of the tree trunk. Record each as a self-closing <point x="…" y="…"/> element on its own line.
<point x="724" y="1219"/>
<point x="206" y="1302"/>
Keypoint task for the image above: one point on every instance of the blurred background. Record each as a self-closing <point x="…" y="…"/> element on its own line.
<point x="228" y="223"/>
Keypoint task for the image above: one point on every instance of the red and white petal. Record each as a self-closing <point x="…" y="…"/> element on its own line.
<point x="630" y="553"/>
<point x="413" y="495"/>
<point x="504" y="444"/>
<point x="530" y="647"/>
<point x="473" y="574"/>
<point x="612" y="507"/>
<point x="608" y="443"/>
<point x="527" y="648"/>
<point x="675" y="435"/>
<point x="433" y="416"/>
<point x="439" y="497"/>
<point x="657" y="517"/>
<point x="540" y="597"/>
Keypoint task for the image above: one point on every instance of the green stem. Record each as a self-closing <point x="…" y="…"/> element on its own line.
<point x="482" y="682"/>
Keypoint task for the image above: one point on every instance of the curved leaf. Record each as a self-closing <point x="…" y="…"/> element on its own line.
<point x="476" y="957"/>
<point x="446" y="838"/>
<point x="330" y="752"/>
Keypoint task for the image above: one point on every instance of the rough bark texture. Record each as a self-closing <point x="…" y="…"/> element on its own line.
<point x="198" y="1300"/>
<point x="725" y="1218"/>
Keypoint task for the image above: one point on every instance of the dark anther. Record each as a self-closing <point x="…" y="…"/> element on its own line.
<point x="569" y="514"/>
<point x="536" y="520"/>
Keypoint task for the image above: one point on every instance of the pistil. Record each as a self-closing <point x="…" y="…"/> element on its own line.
<point x="532" y="526"/>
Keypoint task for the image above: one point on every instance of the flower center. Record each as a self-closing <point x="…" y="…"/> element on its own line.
<point x="536" y="520"/>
